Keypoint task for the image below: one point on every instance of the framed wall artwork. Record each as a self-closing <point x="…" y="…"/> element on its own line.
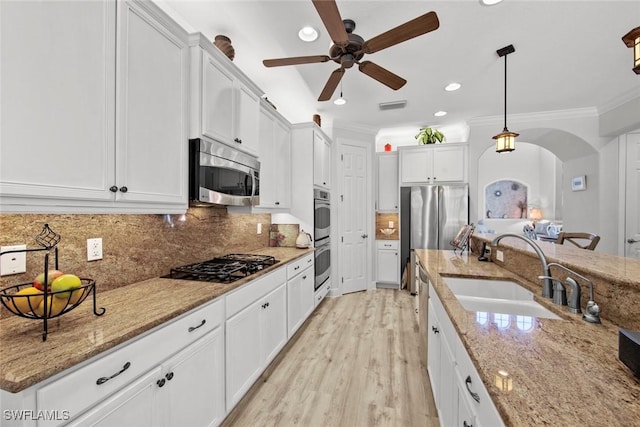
<point x="579" y="183"/>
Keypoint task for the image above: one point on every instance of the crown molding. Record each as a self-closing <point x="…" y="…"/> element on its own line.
<point x="574" y="113"/>
<point x="620" y="100"/>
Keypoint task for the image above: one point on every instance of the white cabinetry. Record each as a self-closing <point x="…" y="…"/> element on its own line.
<point x="388" y="188"/>
<point x="300" y="296"/>
<point x="459" y="394"/>
<point x="224" y="103"/>
<point x="256" y="330"/>
<point x="321" y="161"/>
<point x="307" y="142"/>
<point x="275" y="159"/>
<point x="78" y="134"/>
<point x="387" y="265"/>
<point x="433" y="164"/>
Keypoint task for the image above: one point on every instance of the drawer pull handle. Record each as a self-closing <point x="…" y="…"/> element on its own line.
<point x="103" y="380"/>
<point x="304" y="277"/>
<point x="435" y="330"/>
<point x="309" y="260"/>
<point x="169" y="376"/>
<point x="161" y="382"/>
<point x="464" y="423"/>
<point x="475" y="396"/>
<point x="296" y="268"/>
<point x="193" y="328"/>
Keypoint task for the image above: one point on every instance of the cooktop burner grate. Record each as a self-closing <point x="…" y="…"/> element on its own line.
<point x="227" y="268"/>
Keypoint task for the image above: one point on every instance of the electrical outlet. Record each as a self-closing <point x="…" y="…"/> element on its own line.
<point x="13" y="263"/>
<point x="500" y="255"/>
<point x="487" y="251"/>
<point x="259" y="228"/>
<point x="94" y="249"/>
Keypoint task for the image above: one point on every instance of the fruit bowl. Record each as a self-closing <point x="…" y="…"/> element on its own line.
<point x="387" y="231"/>
<point x="41" y="305"/>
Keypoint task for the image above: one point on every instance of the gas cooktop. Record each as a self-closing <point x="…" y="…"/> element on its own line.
<point x="224" y="269"/>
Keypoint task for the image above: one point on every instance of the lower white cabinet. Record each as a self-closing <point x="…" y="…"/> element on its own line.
<point x="254" y="334"/>
<point x="186" y="390"/>
<point x="387" y="262"/>
<point x="460" y="396"/>
<point x="300" y="294"/>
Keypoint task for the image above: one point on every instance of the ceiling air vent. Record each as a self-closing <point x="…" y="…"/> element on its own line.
<point x="394" y="105"/>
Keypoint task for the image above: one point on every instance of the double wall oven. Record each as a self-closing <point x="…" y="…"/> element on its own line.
<point x="321" y="236"/>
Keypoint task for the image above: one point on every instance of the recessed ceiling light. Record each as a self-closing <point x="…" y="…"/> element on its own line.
<point x="452" y="86"/>
<point x="440" y="113"/>
<point x="340" y="101"/>
<point x="490" y="2"/>
<point x="308" y="34"/>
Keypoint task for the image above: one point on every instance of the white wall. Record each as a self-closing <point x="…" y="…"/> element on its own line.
<point x="581" y="209"/>
<point x="610" y="197"/>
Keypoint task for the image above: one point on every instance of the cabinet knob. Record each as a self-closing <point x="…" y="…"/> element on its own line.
<point x="435" y="330"/>
<point x="238" y="140"/>
<point x="277" y="203"/>
<point x="169" y="376"/>
<point x="304" y="277"/>
<point x="124" y="189"/>
<point x="113" y="188"/>
<point x="161" y="382"/>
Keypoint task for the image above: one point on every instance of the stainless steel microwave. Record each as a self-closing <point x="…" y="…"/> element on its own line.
<point x="221" y="175"/>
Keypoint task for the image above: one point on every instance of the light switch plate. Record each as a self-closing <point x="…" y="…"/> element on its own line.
<point x="13" y="263"/>
<point x="94" y="249"/>
<point x="500" y="256"/>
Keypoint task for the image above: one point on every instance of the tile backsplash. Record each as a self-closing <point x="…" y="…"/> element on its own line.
<point x="135" y="247"/>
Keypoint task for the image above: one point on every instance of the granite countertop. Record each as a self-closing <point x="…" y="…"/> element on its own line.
<point x="565" y="372"/>
<point x="131" y="310"/>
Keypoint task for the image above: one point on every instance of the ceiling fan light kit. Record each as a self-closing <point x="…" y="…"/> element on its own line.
<point x="349" y="48"/>
<point x="632" y="39"/>
<point x="505" y="140"/>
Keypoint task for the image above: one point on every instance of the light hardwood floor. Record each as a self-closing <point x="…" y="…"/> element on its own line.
<point x="355" y="362"/>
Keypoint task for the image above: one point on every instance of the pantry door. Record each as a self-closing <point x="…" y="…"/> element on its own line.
<point x="632" y="199"/>
<point x="354" y="203"/>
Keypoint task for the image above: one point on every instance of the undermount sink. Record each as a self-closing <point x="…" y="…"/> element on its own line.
<point x="496" y="296"/>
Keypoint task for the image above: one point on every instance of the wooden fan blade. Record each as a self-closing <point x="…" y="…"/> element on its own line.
<point x="331" y="85"/>
<point x="295" y="60"/>
<point x="414" y="28"/>
<point x="382" y="75"/>
<point x="330" y="15"/>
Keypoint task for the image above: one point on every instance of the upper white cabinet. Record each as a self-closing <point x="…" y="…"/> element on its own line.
<point x="275" y="159"/>
<point x="225" y="104"/>
<point x="387" y="200"/>
<point x="87" y="112"/>
<point x="321" y="161"/>
<point x="433" y="163"/>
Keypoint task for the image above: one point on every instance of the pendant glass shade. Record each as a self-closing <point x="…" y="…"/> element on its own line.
<point x="505" y="141"/>
<point x="632" y="39"/>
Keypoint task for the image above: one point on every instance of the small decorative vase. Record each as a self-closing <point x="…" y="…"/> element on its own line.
<point x="387" y="147"/>
<point x="224" y="44"/>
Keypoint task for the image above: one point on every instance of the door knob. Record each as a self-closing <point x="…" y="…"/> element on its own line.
<point x="632" y="240"/>
<point x="364" y="236"/>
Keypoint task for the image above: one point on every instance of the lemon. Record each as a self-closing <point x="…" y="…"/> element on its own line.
<point x="75" y="296"/>
<point x="27" y="299"/>
<point x="54" y="307"/>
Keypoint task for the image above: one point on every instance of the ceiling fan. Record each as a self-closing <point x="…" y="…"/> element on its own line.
<point x="349" y="48"/>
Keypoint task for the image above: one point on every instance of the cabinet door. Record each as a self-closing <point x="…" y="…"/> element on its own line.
<point x="448" y="390"/>
<point x="282" y="164"/>
<point x="135" y="405"/>
<point x="57" y="79"/>
<point x="417" y="165"/>
<point x="322" y="161"/>
<point x="466" y="417"/>
<point x="268" y="185"/>
<point x="243" y="359"/>
<point x="433" y="353"/>
<point x="273" y="324"/>
<point x="387" y="266"/>
<point x="388" y="182"/>
<point x="294" y="304"/>
<point x="193" y="392"/>
<point x="448" y="163"/>
<point x="308" y="292"/>
<point x="246" y="120"/>
<point x="152" y="110"/>
<point x="217" y="101"/>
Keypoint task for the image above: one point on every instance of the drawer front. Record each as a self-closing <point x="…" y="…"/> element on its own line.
<point x="92" y="383"/>
<point x="468" y="382"/>
<point x="387" y="244"/>
<point x="322" y="292"/>
<point x="254" y="290"/>
<point x="295" y="267"/>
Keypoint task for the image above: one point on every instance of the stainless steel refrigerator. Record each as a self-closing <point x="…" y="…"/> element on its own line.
<point x="434" y="214"/>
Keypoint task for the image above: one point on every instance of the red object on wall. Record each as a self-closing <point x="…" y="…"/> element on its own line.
<point x="387" y="147"/>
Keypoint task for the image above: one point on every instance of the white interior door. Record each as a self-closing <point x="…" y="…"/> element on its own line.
<point x="632" y="199"/>
<point x="353" y="211"/>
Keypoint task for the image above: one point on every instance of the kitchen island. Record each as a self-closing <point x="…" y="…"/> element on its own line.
<point x="564" y="372"/>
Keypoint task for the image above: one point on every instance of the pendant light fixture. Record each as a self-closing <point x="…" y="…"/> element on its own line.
<point x="632" y="39"/>
<point x="505" y="140"/>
